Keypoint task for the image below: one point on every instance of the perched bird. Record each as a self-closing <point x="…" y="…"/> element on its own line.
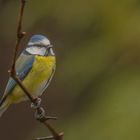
<point x="35" y="67"/>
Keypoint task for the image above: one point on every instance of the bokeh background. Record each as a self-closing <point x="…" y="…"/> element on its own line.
<point x="96" y="89"/>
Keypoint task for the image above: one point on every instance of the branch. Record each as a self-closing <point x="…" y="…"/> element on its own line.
<point x="35" y="102"/>
<point x="20" y="35"/>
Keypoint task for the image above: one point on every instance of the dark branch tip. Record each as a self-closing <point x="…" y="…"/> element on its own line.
<point x="23" y="1"/>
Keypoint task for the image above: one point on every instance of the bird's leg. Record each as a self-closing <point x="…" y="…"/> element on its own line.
<point x="40" y="112"/>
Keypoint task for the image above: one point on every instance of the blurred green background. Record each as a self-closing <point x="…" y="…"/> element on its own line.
<point x="96" y="89"/>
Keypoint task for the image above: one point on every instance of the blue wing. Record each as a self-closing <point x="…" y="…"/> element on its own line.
<point x="23" y="66"/>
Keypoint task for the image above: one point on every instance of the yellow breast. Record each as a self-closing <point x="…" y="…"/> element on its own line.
<point x="41" y="71"/>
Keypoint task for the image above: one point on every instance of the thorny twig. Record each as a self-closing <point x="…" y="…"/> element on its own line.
<point x="35" y="102"/>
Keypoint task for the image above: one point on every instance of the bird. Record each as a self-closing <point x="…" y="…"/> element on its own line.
<point x="35" y="67"/>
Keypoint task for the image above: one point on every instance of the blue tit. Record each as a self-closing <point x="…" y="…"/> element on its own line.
<point x="35" y="67"/>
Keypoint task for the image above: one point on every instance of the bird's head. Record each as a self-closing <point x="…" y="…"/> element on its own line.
<point x="39" y="45"/>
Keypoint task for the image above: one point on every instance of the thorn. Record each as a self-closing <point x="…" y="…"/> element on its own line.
<point x="9" y="71"/>
<point x="21" y="35"/>
<point x="24" y="33"/>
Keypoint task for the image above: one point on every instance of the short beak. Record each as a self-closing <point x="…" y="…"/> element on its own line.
<point x="49" y="46"/>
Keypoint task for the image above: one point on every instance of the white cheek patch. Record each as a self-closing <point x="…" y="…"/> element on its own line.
<point x="36" y="50"/>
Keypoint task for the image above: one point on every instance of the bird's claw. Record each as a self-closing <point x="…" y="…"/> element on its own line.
<point x="40" y="114"/>
<point x="36" y="104"/>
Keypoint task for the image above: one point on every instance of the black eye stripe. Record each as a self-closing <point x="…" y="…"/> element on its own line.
<point x="39" y="45"/>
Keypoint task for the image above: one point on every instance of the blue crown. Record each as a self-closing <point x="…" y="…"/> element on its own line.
<point x="38" y="40"/>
